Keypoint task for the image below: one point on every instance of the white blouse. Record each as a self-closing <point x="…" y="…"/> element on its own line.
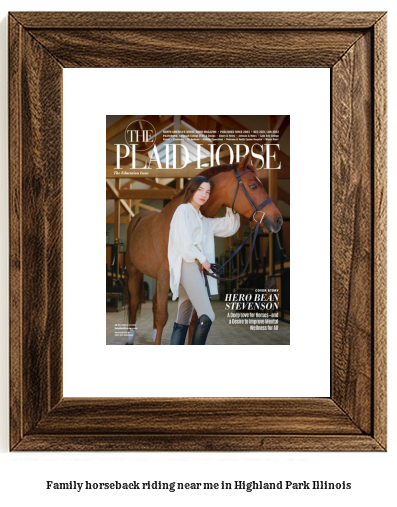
<point x="190" y="228"/>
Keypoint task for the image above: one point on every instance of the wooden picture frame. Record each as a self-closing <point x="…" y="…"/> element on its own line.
<point x="353" y="46"/>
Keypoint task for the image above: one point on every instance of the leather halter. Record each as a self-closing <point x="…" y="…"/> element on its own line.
<point x="257" y="209"/>
<point x="218" y="269"/>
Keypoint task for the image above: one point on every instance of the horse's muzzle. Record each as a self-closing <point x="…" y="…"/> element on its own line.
<point x="273" y="226"/>
<point x="279" y="223"/>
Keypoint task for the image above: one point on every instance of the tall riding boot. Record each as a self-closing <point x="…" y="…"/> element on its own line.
<point x="201" y="330"/>
<point x="179" y="334"/>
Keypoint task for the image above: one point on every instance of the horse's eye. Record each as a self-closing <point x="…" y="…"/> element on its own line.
<point x="254" y="186"/>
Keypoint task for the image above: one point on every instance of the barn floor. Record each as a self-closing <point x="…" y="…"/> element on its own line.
<point x="222" y="333"/>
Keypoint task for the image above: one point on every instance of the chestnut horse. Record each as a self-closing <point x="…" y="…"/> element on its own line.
<point x="148" y="232"/>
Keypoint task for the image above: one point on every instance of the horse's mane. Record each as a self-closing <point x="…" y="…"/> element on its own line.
<point x="209" y="173"/>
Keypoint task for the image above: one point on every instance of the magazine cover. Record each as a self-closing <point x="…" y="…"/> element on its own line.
<point x="197" y="230"/>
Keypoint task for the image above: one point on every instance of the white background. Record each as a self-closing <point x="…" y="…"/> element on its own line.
<point x="23" y="476"/>
<point x="93" y="369"/>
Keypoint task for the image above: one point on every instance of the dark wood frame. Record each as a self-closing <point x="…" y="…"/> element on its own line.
<point x="353" y="46"/>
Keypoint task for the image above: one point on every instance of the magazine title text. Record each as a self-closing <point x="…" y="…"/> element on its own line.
<point x="267" y="154"/>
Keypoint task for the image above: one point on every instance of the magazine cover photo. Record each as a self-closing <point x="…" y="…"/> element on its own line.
<point x="197" y="230"/>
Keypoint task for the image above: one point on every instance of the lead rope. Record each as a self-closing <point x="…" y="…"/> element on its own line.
<point x="218" y="269"/>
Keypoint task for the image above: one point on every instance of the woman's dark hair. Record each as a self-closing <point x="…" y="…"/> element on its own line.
<point x="193" y="185"/>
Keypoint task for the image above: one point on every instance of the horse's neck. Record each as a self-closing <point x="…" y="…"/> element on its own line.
<point x="211" y="208"/>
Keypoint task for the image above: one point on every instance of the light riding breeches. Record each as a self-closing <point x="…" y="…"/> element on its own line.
<point x="192" y="294"/>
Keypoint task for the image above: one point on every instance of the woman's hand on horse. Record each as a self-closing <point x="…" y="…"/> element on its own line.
<point x="206" y="265"/>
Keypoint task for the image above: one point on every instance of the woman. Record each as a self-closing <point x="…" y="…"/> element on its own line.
<point x="191" y="248"/>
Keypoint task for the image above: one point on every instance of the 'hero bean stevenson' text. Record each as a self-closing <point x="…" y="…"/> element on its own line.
<point x="251" y="302"/>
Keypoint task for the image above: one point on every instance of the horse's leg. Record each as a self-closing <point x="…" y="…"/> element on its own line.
<point x="135" y="297"/>
<point x="154" y="307"/>
<point x="192" y="326"/>
<point x="161" y="313"/>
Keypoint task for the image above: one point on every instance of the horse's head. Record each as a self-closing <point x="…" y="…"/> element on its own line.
<point x="251" y="189"/>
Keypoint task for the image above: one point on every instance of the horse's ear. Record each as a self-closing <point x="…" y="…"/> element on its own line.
<point x="245" y="163"/>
